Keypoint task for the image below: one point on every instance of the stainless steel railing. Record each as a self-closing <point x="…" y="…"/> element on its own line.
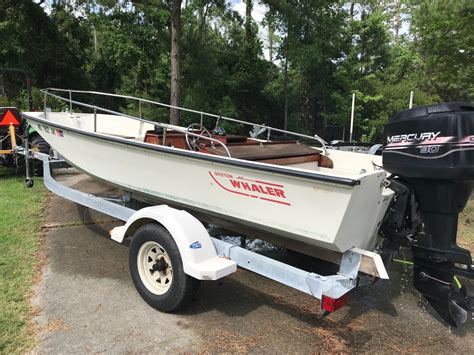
<point x="202" y="114"/>
<point x="156" y="124"/>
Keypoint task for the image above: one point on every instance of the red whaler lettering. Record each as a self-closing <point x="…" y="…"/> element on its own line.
<point x="262" y="189"/>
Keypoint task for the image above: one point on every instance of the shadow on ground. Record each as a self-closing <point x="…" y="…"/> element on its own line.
<point x="88" y="303"/>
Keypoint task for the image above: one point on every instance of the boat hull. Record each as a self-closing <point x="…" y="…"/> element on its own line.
<point x="331" y="212"/>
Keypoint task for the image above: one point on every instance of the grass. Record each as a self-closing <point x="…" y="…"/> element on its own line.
<point x="21" y="212"/>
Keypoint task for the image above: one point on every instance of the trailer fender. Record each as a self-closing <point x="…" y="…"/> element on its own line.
<point x="198" y="253"/>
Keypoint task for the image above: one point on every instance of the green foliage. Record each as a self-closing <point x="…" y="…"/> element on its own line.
<point x="444" y="35"/>
<point x="332" y="48"/>
<point x="49" y="47"/>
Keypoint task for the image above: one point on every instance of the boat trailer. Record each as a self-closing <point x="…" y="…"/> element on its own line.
<point x="429" y="155"/>
<point x="205" y="257"/>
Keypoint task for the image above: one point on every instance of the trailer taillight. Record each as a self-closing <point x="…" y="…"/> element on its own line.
<point x="330" y="304"/>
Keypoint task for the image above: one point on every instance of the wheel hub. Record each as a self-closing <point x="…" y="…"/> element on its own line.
<point x="160" y="265"/>
<point x="155" y="268"/>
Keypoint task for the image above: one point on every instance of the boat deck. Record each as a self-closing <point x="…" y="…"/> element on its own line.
<point x="289" y="154"/>
<point x="241" y="147"/>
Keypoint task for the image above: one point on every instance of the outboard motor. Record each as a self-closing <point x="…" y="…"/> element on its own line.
<point x="429" y="150"/>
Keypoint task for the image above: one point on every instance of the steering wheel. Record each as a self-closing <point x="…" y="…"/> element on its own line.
<point x="193" y="141"/>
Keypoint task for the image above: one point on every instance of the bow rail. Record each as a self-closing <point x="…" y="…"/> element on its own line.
<point x="202" y="114"/>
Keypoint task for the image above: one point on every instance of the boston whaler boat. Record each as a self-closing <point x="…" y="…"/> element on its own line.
<point x="349" y="208"/>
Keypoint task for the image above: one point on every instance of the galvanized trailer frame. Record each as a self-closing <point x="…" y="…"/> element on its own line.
<point x="228" y="255"/>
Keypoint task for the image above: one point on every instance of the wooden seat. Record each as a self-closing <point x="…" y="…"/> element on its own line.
<point x="240" y="147"/>
<point x="280" y="153"/>
<point x="173" y="139"/>
<point x="178" y="140"/>
<point x="231" y="139"/>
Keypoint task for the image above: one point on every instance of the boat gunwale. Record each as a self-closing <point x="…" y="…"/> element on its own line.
<point x="207" y="157"/>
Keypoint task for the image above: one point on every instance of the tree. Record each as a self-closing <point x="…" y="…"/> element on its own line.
<point x="313" y="47"/>
<point x="444" y="36"/>
<point x="201" y="54"/>
<point x="133" y="52"/>
<point x="175" y="60"/>
<point x="45" y="46"/>
<point x="174" y="9"/>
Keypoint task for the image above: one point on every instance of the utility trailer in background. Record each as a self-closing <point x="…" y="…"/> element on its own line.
<point x="14" y="129"/>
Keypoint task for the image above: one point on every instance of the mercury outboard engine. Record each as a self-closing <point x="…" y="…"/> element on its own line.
<point x="429" y="150"/>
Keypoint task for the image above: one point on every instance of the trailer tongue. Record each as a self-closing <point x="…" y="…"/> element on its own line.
<point x="430" y="152"/>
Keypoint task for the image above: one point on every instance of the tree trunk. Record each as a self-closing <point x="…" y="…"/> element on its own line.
<point x="175" y="99"/>
<point x="398" y="20"/>
<point x="248" y="19"/>
<point x="270" y="41"/>
<point x="248" y="30"/>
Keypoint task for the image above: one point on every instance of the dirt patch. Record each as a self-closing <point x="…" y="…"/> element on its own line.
<point x="54" y="324"/>
<point x="229" y="342"/>
<point x="41" y="262"/>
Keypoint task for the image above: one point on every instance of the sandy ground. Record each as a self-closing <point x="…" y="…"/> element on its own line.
<point x="86" y="302"/>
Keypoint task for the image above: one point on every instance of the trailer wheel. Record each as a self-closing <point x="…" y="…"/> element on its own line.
<point x="43" y="147"/>
<point x="157" y="269"/>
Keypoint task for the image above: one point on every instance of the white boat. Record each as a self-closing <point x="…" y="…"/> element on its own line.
<point x="278" y="188"/>
<point x="307" y="198"/>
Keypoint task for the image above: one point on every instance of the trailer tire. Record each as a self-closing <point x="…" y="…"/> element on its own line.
<point x="43" y="147"/>
<point x="154" y="255"/>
